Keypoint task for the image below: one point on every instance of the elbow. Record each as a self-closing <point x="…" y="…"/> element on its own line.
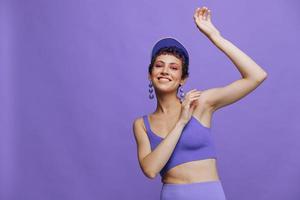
<point x="265" y="75"/>
<point x="150" y="175"/>
<point x="148" y="172"/>
<point x="262" y="78"/>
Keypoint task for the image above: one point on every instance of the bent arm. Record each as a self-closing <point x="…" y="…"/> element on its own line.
<point x="151" y="163"/>
<point x="252" y="75"/>
<point x="245" y="65"/>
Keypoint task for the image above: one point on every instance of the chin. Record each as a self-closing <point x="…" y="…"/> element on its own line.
<point x="165" y="89"/>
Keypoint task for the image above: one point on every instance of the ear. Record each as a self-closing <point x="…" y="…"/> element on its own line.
<point x="149" y="76"/>
<point x="183" y="81"/>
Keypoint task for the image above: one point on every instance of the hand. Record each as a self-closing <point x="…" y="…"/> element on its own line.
<point x="202" y="18"/>
<point x="188" y="105"/>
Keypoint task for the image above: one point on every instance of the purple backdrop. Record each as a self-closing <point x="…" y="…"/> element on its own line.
<point x="73" y="77"/>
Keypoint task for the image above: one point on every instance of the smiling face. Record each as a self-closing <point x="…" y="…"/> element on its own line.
<point x="167" y="73"/>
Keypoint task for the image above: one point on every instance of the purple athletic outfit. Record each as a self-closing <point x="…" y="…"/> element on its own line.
<point x="195" y="143"/>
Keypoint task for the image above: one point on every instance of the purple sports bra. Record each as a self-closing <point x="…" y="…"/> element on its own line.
<point x="195" y="143"/>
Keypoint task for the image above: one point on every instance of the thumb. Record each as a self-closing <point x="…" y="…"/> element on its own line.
<point x="192" y="107"/>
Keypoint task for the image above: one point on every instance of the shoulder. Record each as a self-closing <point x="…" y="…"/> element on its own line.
<point x="137" y="121"/>
<point x="140" y="134"/>
<point x="204" y="110"/>
<point x="203" y="102"/>
<point x="138" y="124"/>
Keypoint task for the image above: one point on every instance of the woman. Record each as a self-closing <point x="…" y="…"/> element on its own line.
<point x="176" y="140"/>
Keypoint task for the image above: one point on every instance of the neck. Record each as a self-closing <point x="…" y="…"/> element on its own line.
<point x="168" y="104"/>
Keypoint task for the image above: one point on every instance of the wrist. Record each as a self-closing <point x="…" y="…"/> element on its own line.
<point x="215" y="37"/>
<point x="181" y="123"/>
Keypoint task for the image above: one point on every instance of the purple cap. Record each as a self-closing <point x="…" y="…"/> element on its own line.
<point x="168" y="42"/>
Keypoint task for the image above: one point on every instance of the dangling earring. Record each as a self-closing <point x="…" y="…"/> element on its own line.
<point x="151" y="95"/>
<point x="181" y="93"/>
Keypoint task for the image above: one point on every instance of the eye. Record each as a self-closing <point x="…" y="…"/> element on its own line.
<point x="175" y="68"/>
<point x="157" y="65"/>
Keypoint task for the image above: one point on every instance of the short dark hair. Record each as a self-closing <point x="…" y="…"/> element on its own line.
<point x="175" y="52"/>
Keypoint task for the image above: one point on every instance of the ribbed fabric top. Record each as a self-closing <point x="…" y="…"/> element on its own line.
<point x="195" y="143"/>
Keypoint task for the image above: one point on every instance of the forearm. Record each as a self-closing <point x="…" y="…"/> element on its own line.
<point x="246" y="66"/>
<point x="157" y="159"/>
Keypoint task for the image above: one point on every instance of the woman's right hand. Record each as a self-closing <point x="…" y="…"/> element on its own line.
<point x="188" y="105"/>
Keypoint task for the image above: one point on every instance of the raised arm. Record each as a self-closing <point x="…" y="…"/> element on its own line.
<point x="252" y="75"/>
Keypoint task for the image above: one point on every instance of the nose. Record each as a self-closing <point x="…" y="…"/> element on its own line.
<point x="165" y="70"/>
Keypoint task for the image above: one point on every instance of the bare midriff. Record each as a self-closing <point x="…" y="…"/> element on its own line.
<point x="193" y="171"/>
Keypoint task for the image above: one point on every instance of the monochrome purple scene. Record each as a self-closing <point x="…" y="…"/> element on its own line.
<point x="149" y="100"/>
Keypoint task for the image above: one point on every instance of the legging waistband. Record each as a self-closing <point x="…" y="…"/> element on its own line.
<point x="194" y="183"/>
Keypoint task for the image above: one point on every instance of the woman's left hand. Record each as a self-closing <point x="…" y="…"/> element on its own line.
<point x="202" y="19"/>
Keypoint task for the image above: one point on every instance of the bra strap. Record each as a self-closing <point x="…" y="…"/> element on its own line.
<point x="146" y="122"/>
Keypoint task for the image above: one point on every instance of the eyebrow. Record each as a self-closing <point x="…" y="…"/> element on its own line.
<point x="164" y="62"/>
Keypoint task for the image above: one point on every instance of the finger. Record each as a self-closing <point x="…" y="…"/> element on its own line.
<point x="193" y="102"/>
<point x="190" y="91"/>
<point x="209" y="15"/>
<point x="195" y="96"/>
<point x="188" y="101"/>
<point x="196" y="17"/>
<point x="192" y="96"/>
<point x="200" y="13"/>
<point x="205" y="13"/>
<point x="196" y="12"/>
<point x="192" y="107"/>
<point x="194" y="93"/>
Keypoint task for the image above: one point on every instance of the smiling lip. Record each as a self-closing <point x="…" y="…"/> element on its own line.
<point x="164" y="78"/>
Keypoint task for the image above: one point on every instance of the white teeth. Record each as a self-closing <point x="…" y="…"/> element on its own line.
<point x="163" y="79"/>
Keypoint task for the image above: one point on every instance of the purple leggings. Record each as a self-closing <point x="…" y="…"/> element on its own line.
<point x="208" y="190"/>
